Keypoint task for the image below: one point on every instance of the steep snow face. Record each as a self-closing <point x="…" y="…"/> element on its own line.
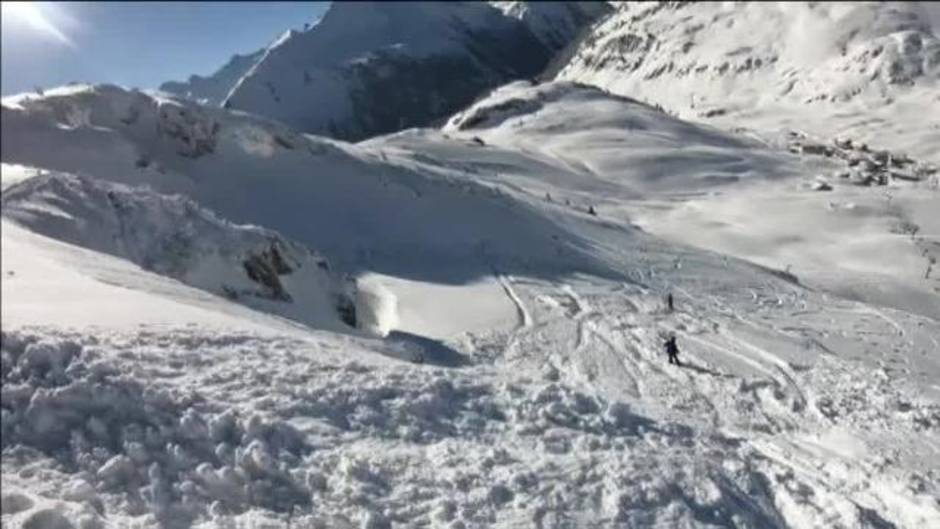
<point x="862" y="69"/>
<point x="173" y="236"/>
<point x="361" y="212"/>
<point x="369" y="68"/>
<point x="214" y="88"/>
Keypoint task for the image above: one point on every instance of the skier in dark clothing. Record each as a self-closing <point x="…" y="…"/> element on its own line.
<point x="669" y="306"/>
<point x="672" y="350"/>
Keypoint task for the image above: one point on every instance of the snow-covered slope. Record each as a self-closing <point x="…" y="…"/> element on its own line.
<point x="829" y="213"/>
<point x="369" y="68"/>
<point x="360" y="212"/>
<point x="638" y="148"/>
<point x="60" y="285"/>
<point x="214" y="88"/>
<point x="793" y="410"/>
<point x="173" y="236"/>
<point x="864" y="70"/>
<point x="520" y="380"/>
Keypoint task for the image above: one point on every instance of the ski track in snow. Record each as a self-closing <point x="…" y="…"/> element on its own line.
<point x="524" y="319"/>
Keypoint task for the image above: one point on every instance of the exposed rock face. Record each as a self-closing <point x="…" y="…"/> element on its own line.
<point x="194" y="132"/>
<point x="265" y="267"/>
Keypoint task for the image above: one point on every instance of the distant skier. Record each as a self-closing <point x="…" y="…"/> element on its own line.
<point x="669" y="303"/>
<point x="672" y="350"/>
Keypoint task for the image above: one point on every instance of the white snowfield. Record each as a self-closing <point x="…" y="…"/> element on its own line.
<point x="506" y="368"/>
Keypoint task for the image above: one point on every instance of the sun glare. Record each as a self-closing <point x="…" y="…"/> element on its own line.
<point x="31" y="15"/>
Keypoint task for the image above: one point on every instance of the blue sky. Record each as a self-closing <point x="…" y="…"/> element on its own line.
<point x="135" y="44"/>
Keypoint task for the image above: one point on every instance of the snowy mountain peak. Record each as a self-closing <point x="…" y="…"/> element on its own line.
<point x="374" y="67"/>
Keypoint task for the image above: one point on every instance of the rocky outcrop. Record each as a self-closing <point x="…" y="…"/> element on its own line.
<point x="194" y="132"/>
<point x="265" y="267"/>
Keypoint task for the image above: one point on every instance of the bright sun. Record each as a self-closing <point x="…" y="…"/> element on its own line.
<point x="31" y="15"/>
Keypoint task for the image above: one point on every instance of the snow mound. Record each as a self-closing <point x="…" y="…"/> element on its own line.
<point x="175" y="237"/>
<point x="184" y="428"/>
<point x="377" y="308"/>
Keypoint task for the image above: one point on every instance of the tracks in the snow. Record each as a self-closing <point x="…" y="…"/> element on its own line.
<point x="601" y="364"/>
<point x="747" y="392"/>
<point x="614" y="350"/>
<point x="506" y="282"/>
